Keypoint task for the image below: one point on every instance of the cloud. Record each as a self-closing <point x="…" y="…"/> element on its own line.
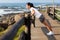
<point x="9" y="1"/>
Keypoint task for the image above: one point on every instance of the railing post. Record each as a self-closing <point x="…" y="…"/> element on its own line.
<point x="28" y="26"/>
<point x="53" y="12"/>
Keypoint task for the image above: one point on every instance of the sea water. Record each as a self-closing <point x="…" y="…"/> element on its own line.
<point x="18" y="6"/>
<point x="22" y="5"/>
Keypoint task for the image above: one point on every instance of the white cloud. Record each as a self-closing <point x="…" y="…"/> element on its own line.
<point x="9" y="1"/>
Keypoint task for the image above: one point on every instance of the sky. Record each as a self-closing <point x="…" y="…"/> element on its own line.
<point x="25" y="1"/>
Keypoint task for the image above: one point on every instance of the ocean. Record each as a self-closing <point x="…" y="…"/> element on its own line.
<point x="15" y="4"/>
<point x="6" y="8"/>
<point x="22" y="5"/>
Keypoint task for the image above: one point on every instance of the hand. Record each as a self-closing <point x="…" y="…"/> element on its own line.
<point x="26" y="15"/>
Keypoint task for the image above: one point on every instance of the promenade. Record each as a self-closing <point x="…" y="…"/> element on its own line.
<point x="39" y="32"/>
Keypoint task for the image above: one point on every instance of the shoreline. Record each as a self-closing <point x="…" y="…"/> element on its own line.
<point x="14" y="11"/>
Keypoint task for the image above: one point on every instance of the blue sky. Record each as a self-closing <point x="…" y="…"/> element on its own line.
<point x="24" y="1"/>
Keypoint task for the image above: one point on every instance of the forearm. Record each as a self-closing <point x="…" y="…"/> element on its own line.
<point x="32" y="12"/>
